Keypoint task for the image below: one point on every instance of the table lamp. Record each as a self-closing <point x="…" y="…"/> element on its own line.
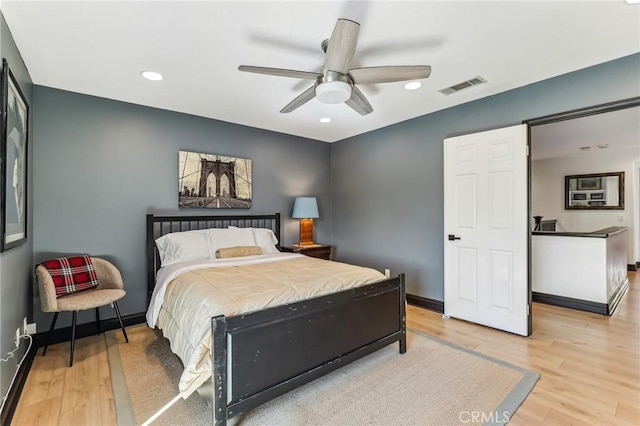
<point x="305" y="209"/>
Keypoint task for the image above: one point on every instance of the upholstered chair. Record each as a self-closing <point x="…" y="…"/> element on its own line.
<point x="110" y="288"/>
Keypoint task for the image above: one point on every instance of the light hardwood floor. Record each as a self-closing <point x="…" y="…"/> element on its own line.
<point x="589" y="368"/>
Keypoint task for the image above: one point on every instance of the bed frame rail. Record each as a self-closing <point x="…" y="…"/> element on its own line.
<point x="262" y="355"/>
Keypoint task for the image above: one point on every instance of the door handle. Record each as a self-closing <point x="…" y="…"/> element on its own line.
<point x="453" y="237"/>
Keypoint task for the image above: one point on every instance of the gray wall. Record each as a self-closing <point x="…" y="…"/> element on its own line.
<point x="100" y="166"/>
<point x="15" y="264"/>
<point x="388" y="184"/>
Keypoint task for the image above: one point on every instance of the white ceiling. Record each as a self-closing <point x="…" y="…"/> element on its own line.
<point x="100" y="48"/>
<point x="619" y="130"/>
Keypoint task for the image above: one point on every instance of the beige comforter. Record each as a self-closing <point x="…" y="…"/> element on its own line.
<point x="193" y="297"/>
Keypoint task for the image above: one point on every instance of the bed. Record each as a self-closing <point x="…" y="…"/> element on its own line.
<point x="257" y="352"/>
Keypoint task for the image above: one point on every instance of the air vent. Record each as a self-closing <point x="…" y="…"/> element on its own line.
<point x="461" y="86"/>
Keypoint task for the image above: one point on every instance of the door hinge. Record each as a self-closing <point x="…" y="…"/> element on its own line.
<point x="527" y="310"/>
<point x="527" y="150"/>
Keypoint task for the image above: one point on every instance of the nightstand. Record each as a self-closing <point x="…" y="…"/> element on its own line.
<point x="321" y="251"/>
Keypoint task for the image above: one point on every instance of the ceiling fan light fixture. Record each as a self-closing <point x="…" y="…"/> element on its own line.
<point x="413" y="85"/>
<point x="333" y="92"/>
<point x="152" y="75"/>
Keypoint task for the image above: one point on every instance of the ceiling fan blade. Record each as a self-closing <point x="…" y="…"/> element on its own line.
<point x="280" y="72"/>
<point x="389" y="74"/>
<point x="358" y="102"/>
<point x="342" y="46"/>
<point x="300" y="84"/>
<point x="302" y="99"/>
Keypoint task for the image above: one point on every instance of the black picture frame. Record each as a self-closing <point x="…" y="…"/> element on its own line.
<point x="595" y="191"/>
<point x="589" y="183"/>
<point x="14" y="132"/>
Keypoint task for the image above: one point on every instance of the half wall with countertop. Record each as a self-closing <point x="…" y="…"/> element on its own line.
<point x="580" y="270"/>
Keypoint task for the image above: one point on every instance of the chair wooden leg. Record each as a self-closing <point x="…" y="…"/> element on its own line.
<point x="46" y="340"/>
<point x="98" y="321"/>
<point x="73" y="337"/>
<point x="115" y="306"/>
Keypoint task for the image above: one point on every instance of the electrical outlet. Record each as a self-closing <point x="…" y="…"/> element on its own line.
<point x="17" y="337"/>
<point x="387" y="273"/>
<point x="31" y="328"/>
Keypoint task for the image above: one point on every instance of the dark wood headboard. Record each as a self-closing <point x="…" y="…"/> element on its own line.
<point x="158" y="226"/>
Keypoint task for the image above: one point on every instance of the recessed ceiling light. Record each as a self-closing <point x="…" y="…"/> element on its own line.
<point x="633" y="1"/>
<point x="325" y="120"/>
<point x="603" y="145"/>
<point x="152" y="75"/>
<point x="585" y="148"/>
<point x="413" y="85"/>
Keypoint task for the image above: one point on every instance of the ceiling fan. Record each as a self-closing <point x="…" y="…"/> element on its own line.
<point x="336" y="83"/>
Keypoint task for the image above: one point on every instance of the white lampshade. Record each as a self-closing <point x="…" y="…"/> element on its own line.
<point x="305" y="208"/>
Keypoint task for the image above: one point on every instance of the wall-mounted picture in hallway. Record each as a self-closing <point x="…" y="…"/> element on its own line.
<point x="213" y="181"/>
<point x="15" y="123"/>
<point x="588" y="183"/>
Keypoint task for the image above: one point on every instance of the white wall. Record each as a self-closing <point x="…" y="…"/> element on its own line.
<point x="547" y="192"/>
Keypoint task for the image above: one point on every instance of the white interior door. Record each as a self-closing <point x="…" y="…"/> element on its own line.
<point x="486" y="227"/>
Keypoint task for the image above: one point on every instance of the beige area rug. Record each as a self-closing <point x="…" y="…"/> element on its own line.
<point x="433" y="383"/>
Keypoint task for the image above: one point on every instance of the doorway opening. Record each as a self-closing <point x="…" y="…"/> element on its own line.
<point x="587" y="142"/>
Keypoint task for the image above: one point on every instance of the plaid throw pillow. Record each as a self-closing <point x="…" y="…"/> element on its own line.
<point x="71" y="274"/>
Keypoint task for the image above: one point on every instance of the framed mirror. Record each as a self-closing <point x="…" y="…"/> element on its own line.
<point x="598" y="191"/>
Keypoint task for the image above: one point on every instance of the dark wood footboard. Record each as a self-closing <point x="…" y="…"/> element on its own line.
<point x="264" y="354"/>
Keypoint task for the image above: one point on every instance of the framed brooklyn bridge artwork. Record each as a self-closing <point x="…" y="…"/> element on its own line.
<point x="213" y="181"/>
<point x="13" y="164"/>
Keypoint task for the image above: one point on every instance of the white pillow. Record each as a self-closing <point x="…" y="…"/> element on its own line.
<point x="182" y="246"/>
<point x="229" y="237"/>
<point x="264" y="238"/>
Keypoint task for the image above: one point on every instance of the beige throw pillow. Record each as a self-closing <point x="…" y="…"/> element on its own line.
<point x="238" y="251"/>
